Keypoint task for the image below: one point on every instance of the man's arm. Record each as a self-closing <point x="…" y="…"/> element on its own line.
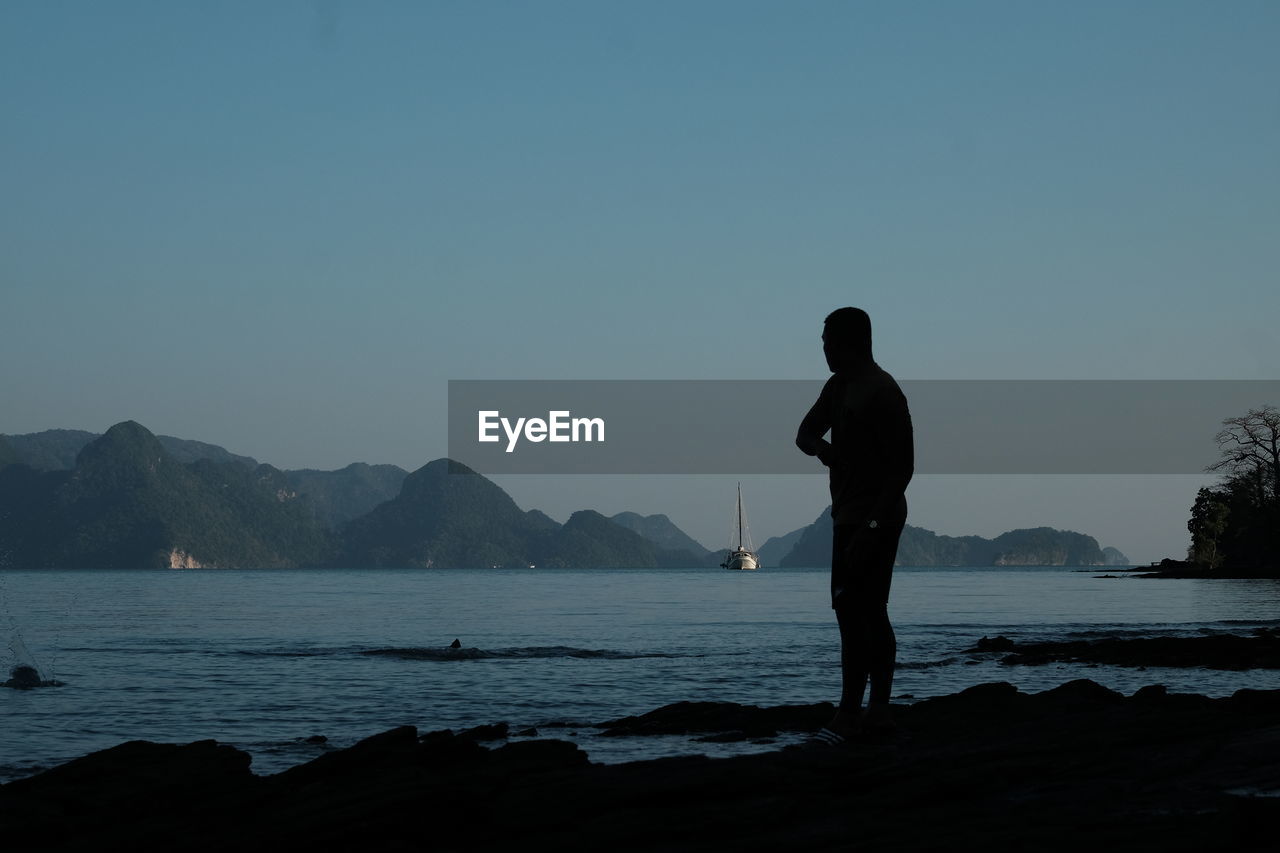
<point x="809" y="438"/>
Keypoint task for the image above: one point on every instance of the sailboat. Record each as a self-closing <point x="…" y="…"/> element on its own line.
<point x="741" y="555"/>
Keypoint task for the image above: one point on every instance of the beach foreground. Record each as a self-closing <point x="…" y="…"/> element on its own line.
<point x="989" y="765"/>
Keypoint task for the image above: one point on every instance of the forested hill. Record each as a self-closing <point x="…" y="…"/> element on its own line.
<point x="57" y="449"/>
<point x="128" y="502"/>
<point x="448" y="515"/>
<point x="8" y="455"/>
<point x="661" y="531"/>
<point x="334" y="497"/>
<point x="1037" y="546"/>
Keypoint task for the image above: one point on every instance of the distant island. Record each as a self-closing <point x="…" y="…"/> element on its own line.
<point x="132" y="499"/>
<point x="1036" y="546"/>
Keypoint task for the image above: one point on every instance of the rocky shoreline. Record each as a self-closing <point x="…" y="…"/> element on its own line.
<point x="1258" y="650"/>
<point x="1184" y="570"/>
<point x="1078" y="764"/>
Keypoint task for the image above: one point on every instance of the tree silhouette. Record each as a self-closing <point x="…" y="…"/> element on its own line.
<point x="1208" y="523"/>
<point x="1236" y="525"/>
<point x="1250" y="447"/>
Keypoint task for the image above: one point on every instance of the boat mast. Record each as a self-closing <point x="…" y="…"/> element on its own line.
<point x="739" y="516"/>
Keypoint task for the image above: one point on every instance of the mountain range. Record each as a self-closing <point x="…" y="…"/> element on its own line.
<point x="1036" y="546"/>
<point x="132" y="499"/>
<point x="333" y="497"/>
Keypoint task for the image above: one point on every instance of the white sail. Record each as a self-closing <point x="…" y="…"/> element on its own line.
<point x="744" y="530"/>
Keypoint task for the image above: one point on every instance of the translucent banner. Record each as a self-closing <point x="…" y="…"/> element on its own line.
<point x="741" y="427"/>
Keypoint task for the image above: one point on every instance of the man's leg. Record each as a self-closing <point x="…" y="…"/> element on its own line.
<point x="861" y="576"/>
<point x="882" y="655"/>
<point x="868" y="649"/>
<point x="855" y="660"/>
<point x="882" y="645"/>
<point x="853" y="667"/>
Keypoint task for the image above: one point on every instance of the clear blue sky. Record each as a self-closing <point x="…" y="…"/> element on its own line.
<point x="283" y="226"/>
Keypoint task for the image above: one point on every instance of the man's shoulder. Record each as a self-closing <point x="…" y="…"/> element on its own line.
<point x="872" y="380"/>
<point x="881" y="390"/>
<point x="884" y="381"/>
<point x="833" y="388"/>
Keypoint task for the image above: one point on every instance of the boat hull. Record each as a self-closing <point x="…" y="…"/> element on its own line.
<point x="744" y="561"/>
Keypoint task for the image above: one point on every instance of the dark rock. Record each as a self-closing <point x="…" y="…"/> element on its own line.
<point x="386" y="749"/>
<point x="436" y="735"/>
<point x="1256" y="701"/>
<point x="443" y="748"/>
<point x="723" y="737"/>
<point x="1075" y="767"/>
<point x="138" y="796"/>
<point x="1151" y="693"/>
<point x="993" y="644"/>
<point x="1168" y="568"/>
<point x="496" y="731"/>
<point x="23" y="677"/>
<point x="1261" y="650"/>
<point x="990" y="690"/>
<point x="541" y="753"/>
<point x="116" y="774"/>
<point x="1081" y="690"/>
<point x="698" y="717"/>
<point x="392" y="740"/>
<point x="972" y="708"/>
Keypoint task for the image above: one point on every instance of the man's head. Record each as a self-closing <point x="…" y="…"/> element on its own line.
<point x="846" y="338"/>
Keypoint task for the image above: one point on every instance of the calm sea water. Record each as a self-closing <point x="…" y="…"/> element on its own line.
<point x="265" y="659"/>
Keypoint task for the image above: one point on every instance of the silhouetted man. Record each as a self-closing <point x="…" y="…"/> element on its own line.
<point x="871" y="459"/>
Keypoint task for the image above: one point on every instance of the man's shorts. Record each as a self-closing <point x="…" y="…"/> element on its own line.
<point x="862" y="563"/>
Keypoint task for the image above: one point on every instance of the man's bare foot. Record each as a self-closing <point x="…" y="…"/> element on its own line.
<point x="877" y="719"/>
<point x="845" y="724"/>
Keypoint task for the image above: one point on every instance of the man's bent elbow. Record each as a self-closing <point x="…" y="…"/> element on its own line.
<point x="809" y="444"/>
